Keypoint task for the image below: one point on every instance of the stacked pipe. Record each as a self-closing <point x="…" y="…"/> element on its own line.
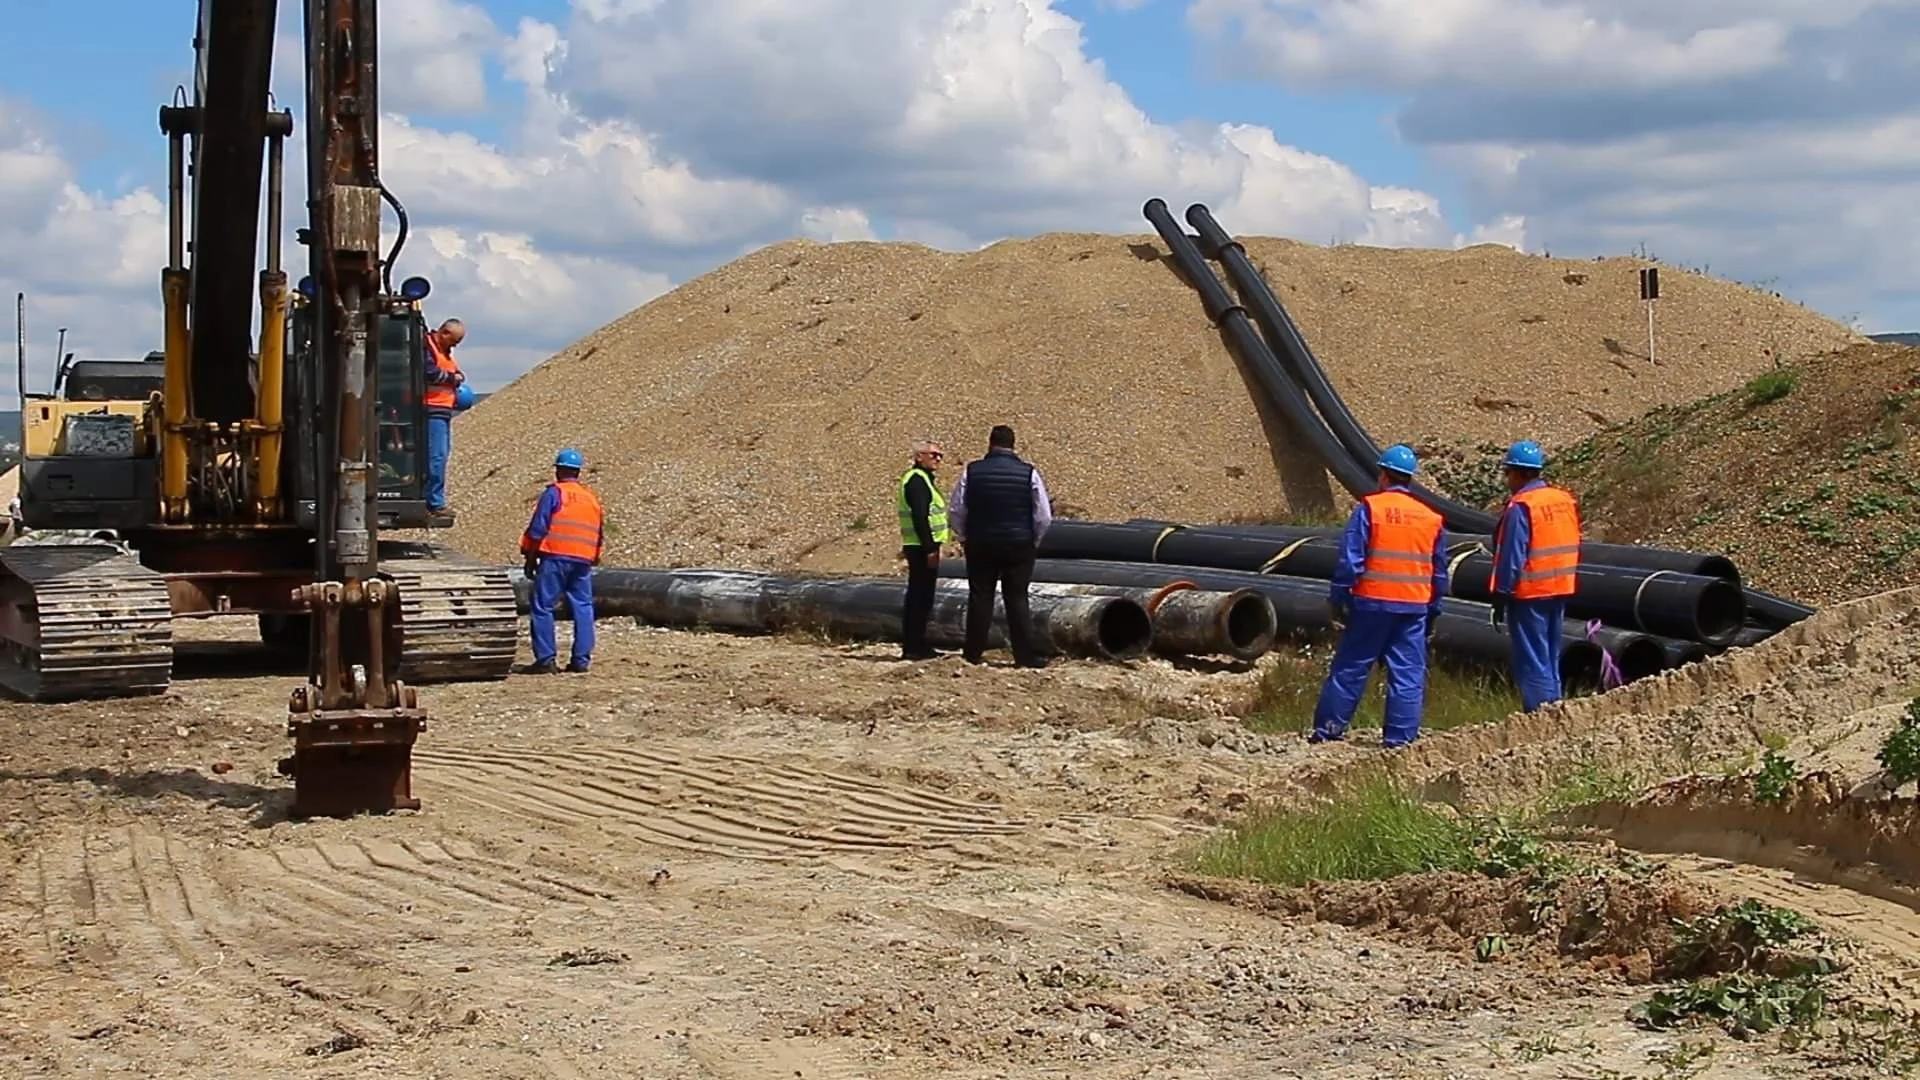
<point x="1101" y="620"/>
<point x="1649" y="608"/>
<point x="1765" y="611"/>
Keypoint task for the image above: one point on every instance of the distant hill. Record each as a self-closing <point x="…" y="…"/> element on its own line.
<point x="1910" y="339"/>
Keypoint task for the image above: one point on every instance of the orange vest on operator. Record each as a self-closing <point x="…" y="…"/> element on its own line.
<point x="440" y="395"/>
<point x="575" y="528"/>
<point x="1553" y="545"/>
<point x="1401" y="534"/>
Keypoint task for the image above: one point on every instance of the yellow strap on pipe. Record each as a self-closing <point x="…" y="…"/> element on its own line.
<point x="1267" y="567"/>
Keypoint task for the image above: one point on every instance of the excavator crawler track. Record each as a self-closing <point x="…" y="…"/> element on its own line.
<point x="83" y="621"/>
<point x="457" y="614"/>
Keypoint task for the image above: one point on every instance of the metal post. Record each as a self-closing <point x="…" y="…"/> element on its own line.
<point x="1650" y="352"/>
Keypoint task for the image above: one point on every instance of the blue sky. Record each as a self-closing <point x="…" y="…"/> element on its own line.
<point x="565" y="160"/>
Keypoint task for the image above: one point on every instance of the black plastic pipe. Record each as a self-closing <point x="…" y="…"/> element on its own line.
<point x="1246" y="343"/>
<point x="1767" y="609"/>
<point x="1463" y="637"/>
<point x="1106" y="627"/>
<point x="1669" y="604"/>
<point x="1625" y="556"/>
<point x="1287" y="344"/>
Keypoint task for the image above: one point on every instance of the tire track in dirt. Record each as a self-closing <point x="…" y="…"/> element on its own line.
<point x="202" y="942"/>
<point x="730" y="1057"/>
<point x="167" y="941"/>
<point x="727" y="805"/>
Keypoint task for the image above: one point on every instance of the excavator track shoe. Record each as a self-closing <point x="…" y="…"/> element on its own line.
<point x="82" y="621"/>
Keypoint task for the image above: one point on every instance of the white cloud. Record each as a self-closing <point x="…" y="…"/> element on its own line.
<point x="656" y="138"/>
<point x="961" y="120"/>
<point x="1770" y="140"/>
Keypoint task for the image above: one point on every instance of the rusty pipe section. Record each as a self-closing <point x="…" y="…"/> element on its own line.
<point x="1191" y="621"/>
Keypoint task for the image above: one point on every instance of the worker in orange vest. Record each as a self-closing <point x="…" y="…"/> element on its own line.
<point x="1536" y="568"/>
<point x="561" y="547"/>
<point x="1386" y="589"/>
<point x="444" y="380"/>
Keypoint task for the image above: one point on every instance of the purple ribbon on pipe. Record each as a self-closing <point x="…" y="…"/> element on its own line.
<point x="1610" y="676"/>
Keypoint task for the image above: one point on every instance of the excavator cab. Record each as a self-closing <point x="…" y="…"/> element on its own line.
<point x="400" y="415"/>
<point x="90" y="455"/>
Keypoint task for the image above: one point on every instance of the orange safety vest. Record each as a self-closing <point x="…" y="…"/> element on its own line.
<point x="574" y="530"/>
<point x="440" y="395"/>
<point x="1553" y="551"/>
<point x="1400" y="541"/>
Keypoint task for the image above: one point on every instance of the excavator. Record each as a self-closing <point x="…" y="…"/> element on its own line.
<point x="259" y="481"/>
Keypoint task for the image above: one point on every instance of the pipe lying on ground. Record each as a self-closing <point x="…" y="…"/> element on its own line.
<point x="1662" y="602"/>
<point x="1103" y="626"/>
<point x="1625" y="556"/>
<point x="1462" y="637"/>
<point x="1190" y="621"/>
<point x="1245" y="342"/>
<point x="1290" y="348"/>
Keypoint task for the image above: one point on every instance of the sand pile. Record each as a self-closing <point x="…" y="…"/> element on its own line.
<point x="759" y="416"/>
<point x="1809" y="476"/>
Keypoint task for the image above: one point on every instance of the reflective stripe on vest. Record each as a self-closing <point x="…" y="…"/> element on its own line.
<point x="936" y="511"/>
<point x="440" y="395"/>
<point x="574" y="529"/>
<point x="1401" y="536"/>
<point x="1553" y="550"/>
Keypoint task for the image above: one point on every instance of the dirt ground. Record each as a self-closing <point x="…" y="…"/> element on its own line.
<point x="728" y="857"/>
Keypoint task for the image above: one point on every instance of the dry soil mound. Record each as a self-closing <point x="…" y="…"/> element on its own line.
<point x="759" y="416"/>
<point x="1809" y="476"/>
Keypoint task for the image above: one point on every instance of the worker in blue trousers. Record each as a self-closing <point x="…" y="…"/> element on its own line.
<point x="1386" y="590"/>
<point x="561" y="547"/>
<point x="1536" y="567"/>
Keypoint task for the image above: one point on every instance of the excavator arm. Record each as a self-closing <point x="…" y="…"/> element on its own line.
<point x="354" y="722"/>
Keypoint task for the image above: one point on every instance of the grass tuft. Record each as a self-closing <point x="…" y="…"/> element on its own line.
<point x="1372" y="831"/>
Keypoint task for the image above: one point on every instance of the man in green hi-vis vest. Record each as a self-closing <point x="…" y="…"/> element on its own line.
<point x="923" y="528"/>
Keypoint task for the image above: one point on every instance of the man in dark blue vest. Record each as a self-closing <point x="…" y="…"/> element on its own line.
<point x="999" y="510"/>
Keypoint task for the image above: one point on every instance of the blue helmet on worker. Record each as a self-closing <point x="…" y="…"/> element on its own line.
<point x="462" y="398"/>
<point x="1525" y="454"/>
<point x="1399" y="458"/>
<point x="569" y="459"/>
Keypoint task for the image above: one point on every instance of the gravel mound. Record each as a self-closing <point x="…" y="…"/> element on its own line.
<point x="759" y="415"/>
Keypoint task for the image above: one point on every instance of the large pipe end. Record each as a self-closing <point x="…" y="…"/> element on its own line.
<point x="1721" y="613"/>
<point x="1250" y="624"/>
<point x="1580" y="667"/>
<point x="1122" y="628"/>
<point x="1719" y="566"/>
<point x="1639" y="656"/>
<point x="1154" y="207"/>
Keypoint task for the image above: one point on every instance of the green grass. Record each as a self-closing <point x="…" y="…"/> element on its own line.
<point x="1770" y="386"/>
<point x="1283" y="701"/>
<point x="1373" y="831"/>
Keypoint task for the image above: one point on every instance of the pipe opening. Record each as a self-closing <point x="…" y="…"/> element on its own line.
<point x="1580" y="668"/>
<point x="1251" y="625"/>
<point x="1125" y="629"/>
<point x="1721" y="613"/>
<point x="1718" y="566"/>
<point x="1640" y="656"/>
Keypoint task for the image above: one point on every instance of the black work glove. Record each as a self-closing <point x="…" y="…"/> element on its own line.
<point x="1338" y="614"/>
<point x="1433" y="626"/>
<point x="531" y="564"/>
<point x="1497" y="617"/>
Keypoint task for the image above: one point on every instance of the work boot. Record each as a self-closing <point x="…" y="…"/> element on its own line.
<point x="540" y="667"/>
<point x="442" y="516"/>
<point x="919" y="654"/>
<point x="1034" y="663"/>
<point x="579" y="667"/>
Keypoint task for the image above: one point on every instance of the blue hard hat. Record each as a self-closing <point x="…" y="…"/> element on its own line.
<point x="1526" y="454"/>
<point x="569" y="459"/>
<point x="463" y="398"/>
<point x="1399" y="458"/>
